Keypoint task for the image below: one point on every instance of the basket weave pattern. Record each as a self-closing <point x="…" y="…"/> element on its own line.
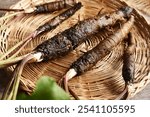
<point x="104" y="80"/>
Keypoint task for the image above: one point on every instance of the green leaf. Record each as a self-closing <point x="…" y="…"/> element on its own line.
<point x="46" y="89"/>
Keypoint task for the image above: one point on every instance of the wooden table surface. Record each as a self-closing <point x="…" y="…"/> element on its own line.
<point x="145" y="94"/>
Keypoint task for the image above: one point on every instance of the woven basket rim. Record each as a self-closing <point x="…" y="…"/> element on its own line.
<point x="86" y="88"/>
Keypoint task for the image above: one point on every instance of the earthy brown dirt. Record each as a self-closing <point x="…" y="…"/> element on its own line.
<point x="4" y="77"/>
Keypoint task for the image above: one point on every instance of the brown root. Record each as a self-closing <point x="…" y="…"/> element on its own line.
<point x="124" y="94"/>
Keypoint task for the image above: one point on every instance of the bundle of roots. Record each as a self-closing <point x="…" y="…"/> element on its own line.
<point x="104" y="46"/>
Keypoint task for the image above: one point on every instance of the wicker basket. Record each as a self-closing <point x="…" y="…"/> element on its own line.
<point x="104" y="80"/>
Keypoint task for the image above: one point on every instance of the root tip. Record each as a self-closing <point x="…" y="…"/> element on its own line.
<point x="70" y="74"/>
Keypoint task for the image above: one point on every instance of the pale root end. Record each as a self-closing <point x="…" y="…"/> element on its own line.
<point x="29" y="10"/>
<point x="38" y="56"/>
<point x="70" y="74"/>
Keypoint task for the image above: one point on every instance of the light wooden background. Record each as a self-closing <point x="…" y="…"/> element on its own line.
<point x="145" y="94"/>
